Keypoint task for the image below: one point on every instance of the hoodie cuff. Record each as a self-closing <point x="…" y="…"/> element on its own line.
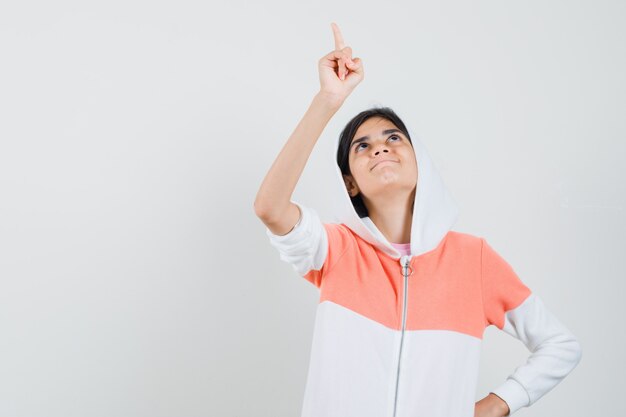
<point x="514" y="394"/>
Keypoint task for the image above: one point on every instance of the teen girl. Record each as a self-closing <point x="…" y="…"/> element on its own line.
<point x="404" y="300"/>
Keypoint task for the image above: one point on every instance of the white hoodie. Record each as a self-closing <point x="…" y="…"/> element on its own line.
<point x="400" y="336"/>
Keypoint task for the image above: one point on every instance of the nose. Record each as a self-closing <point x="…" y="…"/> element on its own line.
<point x="380" y="147"/>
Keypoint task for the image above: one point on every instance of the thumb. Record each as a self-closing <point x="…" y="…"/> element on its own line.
<point x="355" y="75"/>
<point x="357" y="67"/>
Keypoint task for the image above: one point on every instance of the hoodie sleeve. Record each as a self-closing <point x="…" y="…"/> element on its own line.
<point x="311" y="247"/>
<point x="513" y="308"/>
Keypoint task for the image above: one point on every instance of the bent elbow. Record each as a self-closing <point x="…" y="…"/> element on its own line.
<point x="571" y="353"/>
<point x="578" y="352"/>
<point x="261" y="210"/>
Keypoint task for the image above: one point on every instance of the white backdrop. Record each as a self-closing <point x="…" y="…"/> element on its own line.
<point x="135" y="278"/>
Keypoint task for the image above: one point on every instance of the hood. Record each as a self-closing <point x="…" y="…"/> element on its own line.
<point x="434" y="211"/>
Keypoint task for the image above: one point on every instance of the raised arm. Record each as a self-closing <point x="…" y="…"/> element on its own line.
<point x="339" y="74"/>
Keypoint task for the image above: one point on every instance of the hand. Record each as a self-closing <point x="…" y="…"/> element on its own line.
<point x="491" y="406"/>
<point x="339" y="72"/>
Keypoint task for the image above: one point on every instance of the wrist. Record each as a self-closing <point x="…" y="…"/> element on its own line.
<point x="502" y="406"/>
<point x="329" y="100"/>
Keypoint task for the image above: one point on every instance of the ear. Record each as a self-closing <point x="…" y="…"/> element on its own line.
<point x="351" y="186"/>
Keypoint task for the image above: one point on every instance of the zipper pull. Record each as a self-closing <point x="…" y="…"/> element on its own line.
<point x="404" y="262"/>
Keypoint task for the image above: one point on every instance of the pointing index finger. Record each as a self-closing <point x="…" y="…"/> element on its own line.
<point x="339" y="44"/>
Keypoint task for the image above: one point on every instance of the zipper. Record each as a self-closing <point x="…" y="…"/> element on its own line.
<point x="404" y="262"/>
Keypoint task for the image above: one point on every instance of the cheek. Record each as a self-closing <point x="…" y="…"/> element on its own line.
<point x="412" y="160"/>
<point x="362" y="165"/>
<point x="355" y="161"/>
<point x="359" y="168"/>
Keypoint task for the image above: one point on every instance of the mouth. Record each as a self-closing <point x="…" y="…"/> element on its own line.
<point x="381" y="162"/>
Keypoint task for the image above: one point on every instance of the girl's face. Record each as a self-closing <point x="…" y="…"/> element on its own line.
<point x="382" y="160"/>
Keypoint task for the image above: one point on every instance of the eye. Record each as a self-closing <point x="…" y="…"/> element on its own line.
<point x="358" y="147"/>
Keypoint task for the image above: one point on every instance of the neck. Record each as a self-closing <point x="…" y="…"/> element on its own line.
<point x="392" y="215"/>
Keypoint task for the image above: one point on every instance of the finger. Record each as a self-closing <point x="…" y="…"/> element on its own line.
<point x="341" y="71"/>
<point x="349" y="64"/>
<point x="347" y="51"/>
<point x="333" y="56"/>
<point x="359" y="64"/>
<point x="339" y="44"/>
<point x="354" y="63"/>
<point x="336" y="55"/>
<point x="337" y="60"/>
<point x="345" y="63"/>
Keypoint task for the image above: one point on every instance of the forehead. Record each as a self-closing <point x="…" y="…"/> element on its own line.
<point x="373" y="125"/>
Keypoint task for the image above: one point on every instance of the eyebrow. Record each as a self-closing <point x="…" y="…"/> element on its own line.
<point x="365" y="138"/>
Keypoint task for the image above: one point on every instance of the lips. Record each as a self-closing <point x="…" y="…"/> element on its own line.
<point x="383" y="160"/>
